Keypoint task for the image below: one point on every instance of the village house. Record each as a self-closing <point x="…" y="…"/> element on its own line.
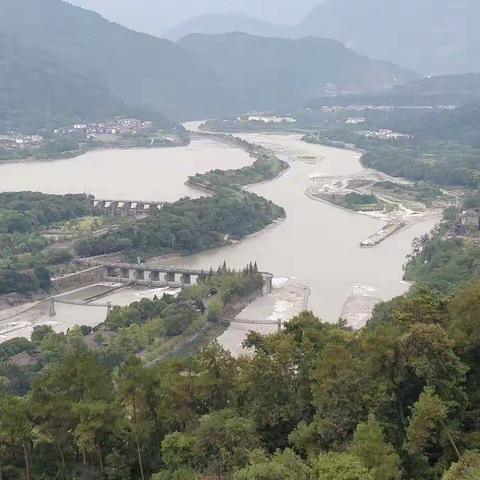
<point x="470" y="219"/>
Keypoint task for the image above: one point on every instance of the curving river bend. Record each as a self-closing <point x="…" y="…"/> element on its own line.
<point x="318" y="244"/>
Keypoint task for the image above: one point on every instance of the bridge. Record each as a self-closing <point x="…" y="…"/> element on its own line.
<point x="278" y="323"/>
<point x="124" y="208"/>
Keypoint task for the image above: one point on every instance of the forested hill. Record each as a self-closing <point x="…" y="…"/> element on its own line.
<point x="38" y="92"/>
<point x="428" y="91"/>
<point x="441" y="90"/>
<point x="317" y="401"/>
<point x="272" y="73"/>
<point x="140" y="69"/>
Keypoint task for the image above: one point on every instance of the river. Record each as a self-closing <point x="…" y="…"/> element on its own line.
<point x="148" y="174"/>
<point x="318" y="244"/>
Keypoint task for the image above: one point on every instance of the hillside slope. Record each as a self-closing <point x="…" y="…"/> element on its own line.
<point x="272" y="73"/>
<point x="140" y="69"/>
<point x="39" y="92"/>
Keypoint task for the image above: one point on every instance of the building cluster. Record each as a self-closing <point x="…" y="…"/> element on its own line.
<point x="381" y="108"/>
<point x="467" y="223"/>
<point x="470" y="219"/>
<point x="17" y="141"/>
<point x="384" y="134"/>
<point x="267" y="119"/>
<point x="264" y="118"/>
<point x="355" y="120"/>
<point x="124" y="126"/>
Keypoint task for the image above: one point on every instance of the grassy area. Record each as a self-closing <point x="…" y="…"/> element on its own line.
<point x="357" y="202"/>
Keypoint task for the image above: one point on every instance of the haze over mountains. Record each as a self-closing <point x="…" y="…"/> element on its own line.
<point x="274" y="73"/>
<point x="157" y="16"/>
<point x="428" y="36"/>
<point x="181" y="80"/>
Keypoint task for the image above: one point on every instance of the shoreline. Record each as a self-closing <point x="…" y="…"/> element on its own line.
<point x="179" y="257"/>
<point x="84" y="152"/>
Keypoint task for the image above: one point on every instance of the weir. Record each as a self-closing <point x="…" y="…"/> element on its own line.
<point x="175" y="277"/>
<point x="124" y="208"/>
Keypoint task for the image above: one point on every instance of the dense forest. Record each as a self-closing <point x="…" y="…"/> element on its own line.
<point x="395" y="400"/>
<point x="188" y="225"/>
<point x="448" y="259"/>
<point x="24" y="251"/>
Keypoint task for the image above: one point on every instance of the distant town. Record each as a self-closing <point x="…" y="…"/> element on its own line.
<point x="75" y="139"/>
<point x="124" y="126"/>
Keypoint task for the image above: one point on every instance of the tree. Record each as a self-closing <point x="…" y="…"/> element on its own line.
<point x="178" y="317"/>
<point x="224" y="442"/>
<point x="218" y="376"/>
<point x="178" y="450"/>
<point x="94" y="419"/>
<point x="131" y="385"/>
<point x="428" y="351"/>
<point x="427" y="434"/>
<point x="116" y="466"/>
<point x="40" y="332"/>
<point x="215" y="310"/>
<point x="17" y="427"/>
<point x="467" y="468"/>
<point x="269" y="389"/>
<point x="183" y="473"/>
<point x="281" y="466"/>
<point x="340" y="375"/>
<point x="376" y="454"/>
<point x="339" y="466"/>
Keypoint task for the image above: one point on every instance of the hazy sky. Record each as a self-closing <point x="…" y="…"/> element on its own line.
<point x="155" y="16"/>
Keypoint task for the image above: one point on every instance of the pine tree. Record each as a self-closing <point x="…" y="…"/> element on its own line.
<point x="375" y="453"/>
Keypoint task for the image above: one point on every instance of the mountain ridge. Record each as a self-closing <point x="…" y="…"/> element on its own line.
<point x="273" y="73"/>
<point x="220" y="24"/>
<point x="394" y="31"/>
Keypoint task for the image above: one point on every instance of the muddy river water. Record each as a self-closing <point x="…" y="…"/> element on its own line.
<point x="318" y="244"/>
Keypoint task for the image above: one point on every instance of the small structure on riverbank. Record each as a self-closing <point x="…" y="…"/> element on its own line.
<point x="470" y="219"/>
<point x="386" y="232"/>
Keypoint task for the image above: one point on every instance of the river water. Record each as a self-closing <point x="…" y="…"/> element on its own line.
<point x="318" y="244"/>
<point x="136" y="174"/>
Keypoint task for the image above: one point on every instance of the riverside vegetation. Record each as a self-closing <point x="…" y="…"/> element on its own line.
<point x="283" y="412"/>
<point x="24" y="251"/>
<point x="185" y="226"/>
<point x="188" y="225"/>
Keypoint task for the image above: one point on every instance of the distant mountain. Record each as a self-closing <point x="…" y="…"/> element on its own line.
<point x="38" y="92"/>
<point x="272" y="73"/>
<point x="140" y="69"/>
<point x="219" y="24"/>
<point x="429" y="36"/>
